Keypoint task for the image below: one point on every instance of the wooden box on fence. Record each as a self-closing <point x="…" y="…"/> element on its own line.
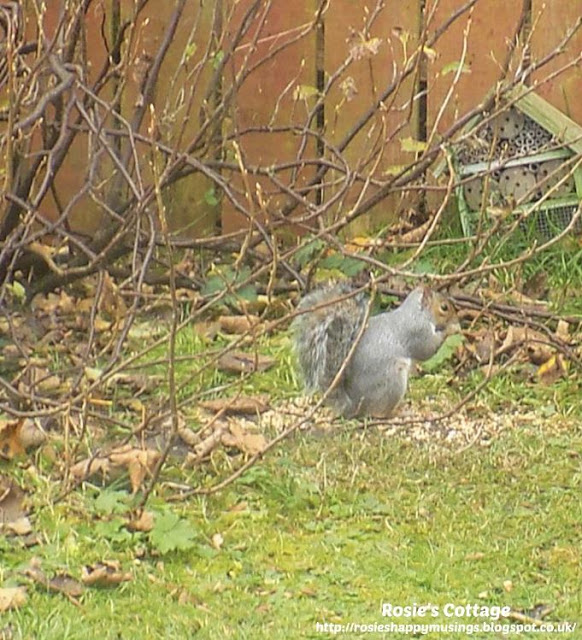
<point x="526" y="159"/>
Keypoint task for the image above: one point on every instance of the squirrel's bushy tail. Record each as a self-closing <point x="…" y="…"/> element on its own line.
<point x="324" y="335"/>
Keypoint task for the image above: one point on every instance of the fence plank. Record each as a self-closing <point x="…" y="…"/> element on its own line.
<point x="376" y="150"/>
<point x="266" y="100"/>
<point x="488" y="28"/>
<point x="551" y="21"/>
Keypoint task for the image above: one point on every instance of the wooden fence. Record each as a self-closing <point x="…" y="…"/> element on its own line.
<point x="300" y="48"/>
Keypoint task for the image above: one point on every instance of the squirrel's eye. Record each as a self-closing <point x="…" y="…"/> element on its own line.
<point x="445" y="307"/>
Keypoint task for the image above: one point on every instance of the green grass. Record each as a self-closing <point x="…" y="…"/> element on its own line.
<point x="329" y="526"/>
<point x="325" y="530"/>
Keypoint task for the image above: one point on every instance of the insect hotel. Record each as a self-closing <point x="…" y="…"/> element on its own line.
<point x="526" y="160"/>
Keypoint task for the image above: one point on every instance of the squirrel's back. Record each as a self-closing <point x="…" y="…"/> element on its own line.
<point x="325" y="331"/>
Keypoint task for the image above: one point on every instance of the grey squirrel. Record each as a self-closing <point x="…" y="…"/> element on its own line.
<point x="375" y="378"/>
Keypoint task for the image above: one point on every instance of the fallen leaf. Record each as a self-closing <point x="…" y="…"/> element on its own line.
<point x="208" y="444"/>
<point x="19" y="527"/>
<point x="104" y="574"/>
<point x="12" y="597"/>
<point x="563" y="331"/>
<point x="139" y="463"/>
<point x="188" y="436"/>
<point x="237" y="324"/>
<point x="31" y="434"/>
<point x="417" y="234"/>
<point x="145" y="522"/>
<point x="89" y="467"/>
<point x="251" y="443"/>
<point x="206" y="329"/>
<point x="242" y="362"/>
<point x="10" y="444"/>
<point x="239" y="507"/>
<point x="240" y="405"/>
<point x="61" y="583"/>
<point x="11" y="501"/>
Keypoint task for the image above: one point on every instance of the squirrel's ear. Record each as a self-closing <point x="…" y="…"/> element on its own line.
<point x="426" y="296"/>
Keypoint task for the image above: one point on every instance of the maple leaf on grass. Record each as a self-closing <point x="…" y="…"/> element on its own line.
<point x="171" y="533"/>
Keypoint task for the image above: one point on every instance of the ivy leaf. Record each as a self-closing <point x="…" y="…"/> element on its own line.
<point x="412" y="145"/>
<point x="171" y="533"/>
<point x="223" y="277"/>
<point x="304" y="92"/>
<point x="210" y="197"/>
<point x="347" y="265"/>
<point x="454" y="66"/>
<point x="217" y="58"/>
<point x="308" y="251"/>
<point x="447" y="349"/>
<point x="190" y="51"/>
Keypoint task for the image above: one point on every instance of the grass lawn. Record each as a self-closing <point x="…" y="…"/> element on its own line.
<point x="326" y="529"/>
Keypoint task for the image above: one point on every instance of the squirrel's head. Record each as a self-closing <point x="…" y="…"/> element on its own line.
<point x="442" y="311"/>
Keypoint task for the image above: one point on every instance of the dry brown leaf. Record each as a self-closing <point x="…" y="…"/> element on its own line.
<point x="12" y="598"/>
<point x="139" y="462"/>
<point x="31" y="434"/>
<point x="145" y="522"/>
<point x="208" y="330"/>
<point x="416" y="235"/>
<point x="237" y="324"/>
<point x="485" y="346"/>
<point x="89" y="467"/>
<point x="11" y="501"/>
<point x="55" y="302"/>
<point x="104" y="574"/>
<point x="112" y="302"/>
<point x="188" y="436"/>
<point x="61" y="583"/>
<point x="19" y="527"/>
<point x="239" y="507"/>
<point x="240" y="438"/>
<point x="208" y="444"/>
<point x="240" y="405"/>
<point x="242" y="362"/>
<point x="563" y="331"/>
<point x="10" y="444"/>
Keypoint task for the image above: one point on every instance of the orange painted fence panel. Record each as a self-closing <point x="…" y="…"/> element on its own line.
<point x="310" y="83"/>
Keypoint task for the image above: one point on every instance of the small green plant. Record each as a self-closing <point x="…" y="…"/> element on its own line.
<point x="171" y="533"/>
